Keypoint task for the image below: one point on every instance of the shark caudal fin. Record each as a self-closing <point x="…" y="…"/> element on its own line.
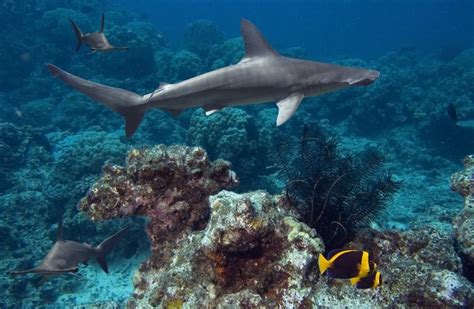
<point x="78" y="32"/>
<point x="129" y="104"/>
<point x="107" y="245"/>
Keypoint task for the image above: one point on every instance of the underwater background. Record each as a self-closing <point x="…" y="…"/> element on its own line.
<point x="56" y="144"/>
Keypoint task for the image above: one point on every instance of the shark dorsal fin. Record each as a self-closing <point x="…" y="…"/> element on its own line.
<point x="102" y="21"/>
<point x="255" y="43"/>
<point x="59" y="235"/>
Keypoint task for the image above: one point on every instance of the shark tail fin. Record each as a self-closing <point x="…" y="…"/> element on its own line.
<point x="78" y="32"/>
<point x="107" y="245"/>
<point x="129" y="104"/>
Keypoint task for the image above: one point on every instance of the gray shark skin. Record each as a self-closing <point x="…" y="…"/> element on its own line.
<point x="66" y="255"/>
<point x="95" y="40"/>
<point x="261" y="76"/>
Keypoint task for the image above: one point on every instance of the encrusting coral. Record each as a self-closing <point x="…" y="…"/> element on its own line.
<point x="463" y="183"/>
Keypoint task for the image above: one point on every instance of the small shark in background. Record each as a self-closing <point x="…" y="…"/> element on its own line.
<point x="95" y="40"/>
<point x="261" y="76"/>
<point x="65" y="255"/>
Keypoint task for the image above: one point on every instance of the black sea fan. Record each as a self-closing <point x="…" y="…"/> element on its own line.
<point x="336" y="193"/>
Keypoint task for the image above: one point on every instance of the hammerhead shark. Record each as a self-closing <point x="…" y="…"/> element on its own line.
<point x="96" y="40"/>
<point x="65" y="255"/>
<point x="261" y="76"/>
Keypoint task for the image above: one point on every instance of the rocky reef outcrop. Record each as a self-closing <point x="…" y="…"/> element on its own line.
<point x="213" y="248"/>
<point x="169" y="185"/>
<point x="463" y="183"/>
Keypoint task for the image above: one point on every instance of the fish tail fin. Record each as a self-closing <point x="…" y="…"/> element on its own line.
<point x="78" y="32"/>
<point x="354" y="280"/>
<point x="323" y="264"/>
<point x="107" y="245"/>
<point x="129" y="104"/>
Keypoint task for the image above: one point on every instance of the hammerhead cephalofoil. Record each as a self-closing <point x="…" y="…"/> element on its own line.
<point x="96" y="40"/>
<point x="261" y="76"/>
<point x="65" y="255"/>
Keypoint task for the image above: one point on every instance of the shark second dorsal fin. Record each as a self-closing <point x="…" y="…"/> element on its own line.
<point x="255" y="43"/>
<point x="102" y="23"/>
<point x="59" y="235"/>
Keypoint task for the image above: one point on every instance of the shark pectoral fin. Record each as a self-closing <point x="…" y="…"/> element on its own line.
<point x="287" y="107"/>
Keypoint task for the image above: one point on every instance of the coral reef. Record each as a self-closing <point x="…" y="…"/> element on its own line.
<point x="78" y="159"/>
<point x="169" y="185"/>
<point x="201" y="35"/>
<point x="185" y="64"/>
<point x="463" y="183"/>
<point x="249" y="249"/>
<point x="250" y="254"/>
<point x="54" y="142"/>
<point x="334" y="192"/>
<point x="420" y="269"/>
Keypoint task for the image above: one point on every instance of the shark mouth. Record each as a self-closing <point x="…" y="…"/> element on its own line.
<point x="368" y="79"/>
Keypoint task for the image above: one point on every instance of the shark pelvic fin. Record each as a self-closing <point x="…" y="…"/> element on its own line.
<point x="255" y="43"/>
<point x="287" y="107"/>
<point x="210" y="112"/>
<point x="102" y="23"/>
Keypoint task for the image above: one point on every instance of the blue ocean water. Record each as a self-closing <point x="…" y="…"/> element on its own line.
<point x="54" y="141"/>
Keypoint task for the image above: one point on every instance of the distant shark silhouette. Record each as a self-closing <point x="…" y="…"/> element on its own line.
<point x="65" y="255"/>
<point x="95" y="40"/>
<point x="261" y="76"/>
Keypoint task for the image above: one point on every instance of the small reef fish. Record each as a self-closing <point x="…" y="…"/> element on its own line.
<point x="372" y="280"/>
<point x="261" y="76"/>
<point x="451" y="111"/>
<point x="346" y="264"/>
<point x="95" y="40"/>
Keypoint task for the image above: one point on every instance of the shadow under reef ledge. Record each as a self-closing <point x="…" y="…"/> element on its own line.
<point x="216" y="248"/>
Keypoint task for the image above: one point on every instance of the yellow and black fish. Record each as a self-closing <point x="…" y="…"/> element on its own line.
<point x="346" y="264"/>
<point x="372" y="280"/>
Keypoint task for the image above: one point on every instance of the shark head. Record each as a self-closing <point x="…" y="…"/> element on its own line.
<point x="318" y="78"/>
